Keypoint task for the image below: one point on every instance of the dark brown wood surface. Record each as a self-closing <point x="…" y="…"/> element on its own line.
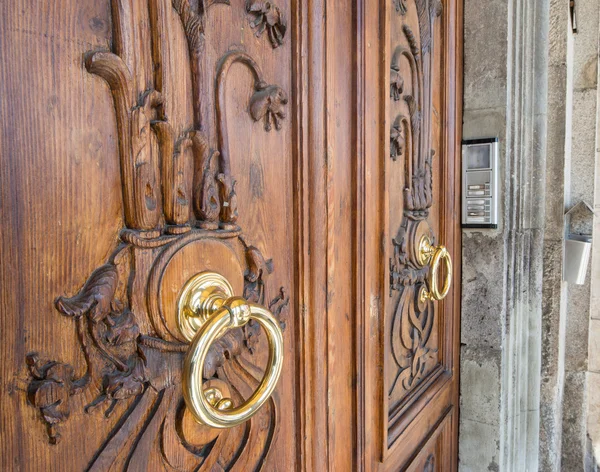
<point x="143" y="141"/>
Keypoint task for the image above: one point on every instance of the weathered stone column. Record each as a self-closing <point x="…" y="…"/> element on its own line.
<point x="513" y="314"/>
<point x="554" y="290"/>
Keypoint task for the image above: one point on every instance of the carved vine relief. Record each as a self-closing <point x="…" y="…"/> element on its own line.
<point x="412" y="322"/>
<point x="177" y="190"/>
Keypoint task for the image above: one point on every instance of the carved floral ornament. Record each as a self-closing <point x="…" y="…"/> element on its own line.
<point x="266" y="16"/>
<point x="412" y="323"/>
<point x="177" y="191"/>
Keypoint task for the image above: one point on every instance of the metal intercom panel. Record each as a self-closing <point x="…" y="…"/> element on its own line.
<point x="480" y="183"/>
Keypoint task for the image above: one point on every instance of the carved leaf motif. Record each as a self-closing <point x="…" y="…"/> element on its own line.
<point x="193" y="23"/>
<point x="96" y="296"/>
<point x="401" y="6"/>
<point x="176" y="157"/>
<point x="257" y="268"/>
<point x="50" y="392"/>
<point x="139" y="162"/>
<point x="209" y="205"/>
<point x="121" y="385"/>
<point x="257" y="264"/>
<point x="123" y="329"/>
<point x="397" y="140"/>
<point x="268" y="104"/>
<point x="280" y="303"/>
<point x="144" y="146"/>
<point x="414" y="322"/>
<point x="267" y="16"/>
<point x="279" y="306"/>
<point x="396" y="83"/>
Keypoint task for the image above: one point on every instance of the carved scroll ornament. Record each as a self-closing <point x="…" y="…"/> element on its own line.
<point x="177" y="191"/>
<point x="412" y="323"/>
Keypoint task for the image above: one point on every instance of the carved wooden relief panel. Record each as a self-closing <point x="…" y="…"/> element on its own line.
<point x="415" y="328"/>
<point x="193" y="109"/>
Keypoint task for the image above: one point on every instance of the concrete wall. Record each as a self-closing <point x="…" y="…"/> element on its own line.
<point x="484" y="259"/>
<point x="524" y="355"/>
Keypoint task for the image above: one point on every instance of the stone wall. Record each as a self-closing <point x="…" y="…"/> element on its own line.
<point x="579" y="176"/>
<point x="524" y="343"/>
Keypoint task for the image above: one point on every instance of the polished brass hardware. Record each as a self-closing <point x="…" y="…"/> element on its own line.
<point x="206" y="310"/>
<point x="434" y="256"/>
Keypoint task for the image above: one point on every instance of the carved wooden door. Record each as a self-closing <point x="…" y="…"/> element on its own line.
<point x="414" y="204"/>
<point x="285" y="166"/>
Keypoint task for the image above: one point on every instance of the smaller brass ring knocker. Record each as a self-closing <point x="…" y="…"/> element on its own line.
<point x="206" y="311"/>
<point x="435" y="256"/>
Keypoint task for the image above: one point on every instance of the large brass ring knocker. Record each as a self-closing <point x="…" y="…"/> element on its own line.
<point x="434" y="256"/>
<point x="206" y="310"/>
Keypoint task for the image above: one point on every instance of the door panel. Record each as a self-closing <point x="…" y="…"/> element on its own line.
<point x="411" y="199"/>
<point x="416" y="361"/>
<point x="163" y="149"/>
<point x="420" y="331"/>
